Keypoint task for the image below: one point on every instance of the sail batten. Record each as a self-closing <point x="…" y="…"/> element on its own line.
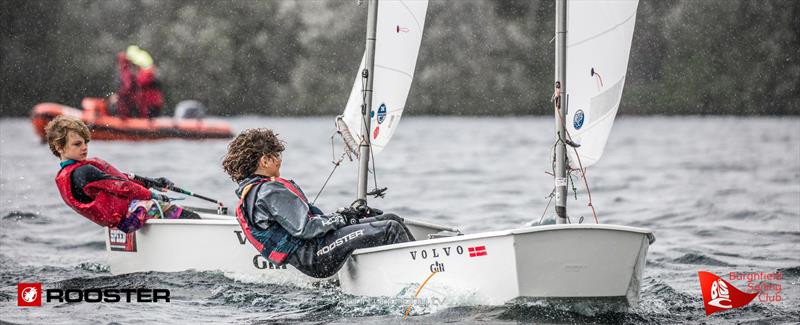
<point x="632" y="16"/>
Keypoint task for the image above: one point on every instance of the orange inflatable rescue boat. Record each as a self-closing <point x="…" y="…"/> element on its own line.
<point x="107" y="127"/>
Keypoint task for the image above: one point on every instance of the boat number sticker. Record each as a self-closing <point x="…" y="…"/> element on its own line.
<point x="561" y="181"/>
<point x="120" y="241"/>
<point x="577" y="120"/>
<point x="381" y="113"/>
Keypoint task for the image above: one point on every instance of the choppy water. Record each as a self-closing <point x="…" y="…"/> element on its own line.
<point x="722" y="194"/>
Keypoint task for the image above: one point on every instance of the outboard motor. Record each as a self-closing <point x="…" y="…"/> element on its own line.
<point x="190" y="109"/>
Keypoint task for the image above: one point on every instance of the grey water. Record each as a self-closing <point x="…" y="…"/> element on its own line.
<point x="721" y="193"/>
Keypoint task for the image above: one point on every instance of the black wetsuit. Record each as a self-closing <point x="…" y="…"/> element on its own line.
<point x="84" y="175"/>
<point x="327" y="241"/>
<point x="324" y="257"/>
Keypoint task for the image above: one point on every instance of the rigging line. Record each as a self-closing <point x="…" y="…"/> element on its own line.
<point x="553" y="154"/>
<point x="583" y="175"/>
<point x="552" y="194"/>
<point x="588" y="191"/>
<point x="336" y="164"/>
<point x="364" y="121"/>
<point x="552" y="173"/>
<point x="574" y="189"/>
<point x="374" y="170"/>
<point x="557" y="103"/>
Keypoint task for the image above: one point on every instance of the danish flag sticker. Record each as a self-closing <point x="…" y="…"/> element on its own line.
<point x="477" y="251"/>
<point x="719" y="295"/>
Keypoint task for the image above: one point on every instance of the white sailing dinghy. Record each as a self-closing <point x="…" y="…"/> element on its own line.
<point x="585" y="262"/>
<point x="213" y="243"/>
<point x="216" y="242"/>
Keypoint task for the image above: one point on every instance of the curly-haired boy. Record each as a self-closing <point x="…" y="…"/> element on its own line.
<point x="278" y="220"/>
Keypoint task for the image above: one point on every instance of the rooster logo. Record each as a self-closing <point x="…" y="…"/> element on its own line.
<point x="29" y="294"/>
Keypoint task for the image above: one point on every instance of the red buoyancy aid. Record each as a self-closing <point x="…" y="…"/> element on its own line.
<point x="108" y="208"/>
<point x="281" y="251"/>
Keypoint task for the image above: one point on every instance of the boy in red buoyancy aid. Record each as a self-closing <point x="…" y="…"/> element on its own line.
<point x="100" y="192"/>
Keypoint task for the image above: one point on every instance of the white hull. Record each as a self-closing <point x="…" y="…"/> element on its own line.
<point x="214" y="243"/>
<point x="556" y="261"/>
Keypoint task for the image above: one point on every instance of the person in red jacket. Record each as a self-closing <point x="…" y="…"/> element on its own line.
<point x="126" y="92"/>
<point x="149" y="96"/>
<point x="98" y="191"/>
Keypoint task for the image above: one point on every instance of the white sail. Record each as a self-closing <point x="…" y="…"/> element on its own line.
<point x="398" y="36"/>
<point x="599" y="35"/>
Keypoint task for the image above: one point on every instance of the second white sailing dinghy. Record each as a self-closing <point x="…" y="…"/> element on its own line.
<point x="587" y="262"/>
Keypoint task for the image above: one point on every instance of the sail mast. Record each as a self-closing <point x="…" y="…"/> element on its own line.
<point x="368" y="74"/>
<point x="561" y="79"/>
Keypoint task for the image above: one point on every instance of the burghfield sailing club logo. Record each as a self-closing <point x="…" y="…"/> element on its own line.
<point x="719" y="295"/>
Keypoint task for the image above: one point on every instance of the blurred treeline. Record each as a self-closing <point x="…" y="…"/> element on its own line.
<point x="478" y="56"/>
